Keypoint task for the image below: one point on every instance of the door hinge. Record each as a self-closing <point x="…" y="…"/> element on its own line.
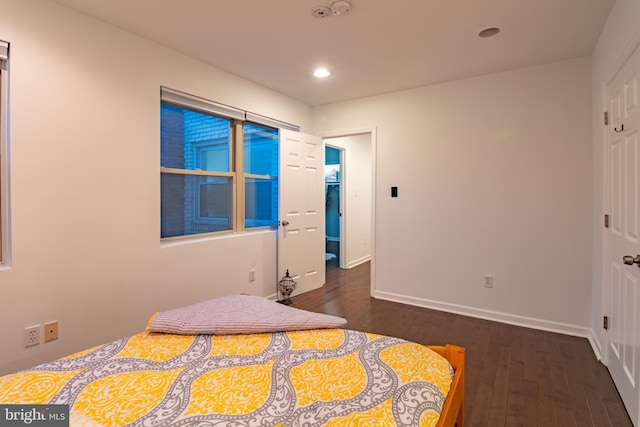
<point x="605" y="322"/>
<point x="606" y="118"/>
<point x="606" y="221"/>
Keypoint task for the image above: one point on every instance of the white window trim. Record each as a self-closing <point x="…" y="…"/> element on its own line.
<point x="5" y="199"/>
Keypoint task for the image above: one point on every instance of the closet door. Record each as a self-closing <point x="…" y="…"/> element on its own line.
<point x="622" y="237"/>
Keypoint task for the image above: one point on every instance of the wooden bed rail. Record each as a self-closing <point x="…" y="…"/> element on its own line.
<point x="452" y="414"/>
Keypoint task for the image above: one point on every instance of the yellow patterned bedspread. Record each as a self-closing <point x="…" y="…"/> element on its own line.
<point x="330" y="377"/>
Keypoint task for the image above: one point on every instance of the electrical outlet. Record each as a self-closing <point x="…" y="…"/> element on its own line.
<point x="51" y="331"/>
<point x="252" y="275"/>
<point x="488" y="281"/>
<point x="32" y="335"/>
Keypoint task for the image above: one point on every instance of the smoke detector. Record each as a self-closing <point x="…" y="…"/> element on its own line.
<point x="341" y="7"/>
<point x="321" y="11"/>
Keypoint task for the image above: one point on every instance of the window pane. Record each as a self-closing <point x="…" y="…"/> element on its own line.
<point x="215" y="200"/>
<point x="260" y="150"/>
<point x="260" y="158"/>
<point x="191" y="140"/>
<point x="193" y="204"/>
<point x="261" y="202"/>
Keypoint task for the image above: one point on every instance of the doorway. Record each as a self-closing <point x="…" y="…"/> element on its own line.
<point x="356" y="201"/>
<point x="333" y="202"/>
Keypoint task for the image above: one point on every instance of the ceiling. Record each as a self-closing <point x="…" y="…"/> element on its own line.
<point x="378" y="47"/>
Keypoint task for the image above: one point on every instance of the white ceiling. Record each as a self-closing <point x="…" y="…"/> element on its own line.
<point x="379" y="47"/>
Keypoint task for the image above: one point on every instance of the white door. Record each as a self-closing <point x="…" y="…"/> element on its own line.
<point x="301" y="235"/>
<point x="622" y="283"/>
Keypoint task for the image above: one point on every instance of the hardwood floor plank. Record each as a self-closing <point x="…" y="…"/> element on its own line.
<point x="516" y="396"/>
<point x="478" y="413"/>
<point x="616" y="413"/>
<point x="514" y="376"/>
<point x="548" y="410"/>
<point x="531" y="404"/>
<point x="498" y="410"/>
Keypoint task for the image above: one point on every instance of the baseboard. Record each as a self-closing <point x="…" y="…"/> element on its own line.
<point x="595" y="345"/>
<point x="357" y="262"/>
<point x="272" y="297"/>
<point x="511" y="319"/>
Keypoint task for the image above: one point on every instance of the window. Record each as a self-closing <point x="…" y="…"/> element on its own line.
<point x="219" y="171"/>
<point x="4" y="154"/>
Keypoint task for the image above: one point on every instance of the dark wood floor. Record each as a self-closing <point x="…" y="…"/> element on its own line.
<point x="514" y="376"/>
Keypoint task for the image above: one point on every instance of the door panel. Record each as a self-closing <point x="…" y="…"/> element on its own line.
<point x="301" y="241"/>
<point x="622" y="237"/>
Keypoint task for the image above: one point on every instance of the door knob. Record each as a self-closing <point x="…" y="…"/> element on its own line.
<point x="285" y="223"/>
<point x="630" y="260"/>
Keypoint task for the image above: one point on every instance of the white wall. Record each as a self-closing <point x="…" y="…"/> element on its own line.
<point x="494" y="177"/>
<point x="621" y="32"/>
<point x="356" y="184"/>
<point x="84" y="136"/>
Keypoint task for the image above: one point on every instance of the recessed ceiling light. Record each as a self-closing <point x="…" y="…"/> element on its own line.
<point x="321" y="73"/>
<point x="489" y="32"/>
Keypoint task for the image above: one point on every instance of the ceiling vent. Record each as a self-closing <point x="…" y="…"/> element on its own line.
<point x="321" y="11"/>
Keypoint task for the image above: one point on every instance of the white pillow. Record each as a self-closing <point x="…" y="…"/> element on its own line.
<point x="239" y="314"/>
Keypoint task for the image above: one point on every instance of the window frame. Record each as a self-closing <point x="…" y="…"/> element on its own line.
<point x="237" y="173"/>
<point x="5" y="245"/>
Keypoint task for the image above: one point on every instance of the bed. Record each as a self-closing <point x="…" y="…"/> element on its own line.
<point x="205" y="365"/>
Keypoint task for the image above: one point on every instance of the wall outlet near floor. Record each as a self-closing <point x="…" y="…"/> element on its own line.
<point x="252" y="275"/>
<point x="488" y="281"/>
<point x="32" y="335"/>
<point x="51" y="331"/>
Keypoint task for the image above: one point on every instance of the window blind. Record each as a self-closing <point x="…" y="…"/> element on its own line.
<point x="184" y="100"/>
<point x="4" y="53"/>
<point x="267" y="121"/>
<point x="181" y="99"/>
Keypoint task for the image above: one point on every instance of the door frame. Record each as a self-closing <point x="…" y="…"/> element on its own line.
<point x="372" y="132"/>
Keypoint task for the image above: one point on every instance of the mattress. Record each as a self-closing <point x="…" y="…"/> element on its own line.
<point x="332" y="377"/>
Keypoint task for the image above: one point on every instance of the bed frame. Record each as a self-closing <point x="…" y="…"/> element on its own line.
<point x="452" y="414"/>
